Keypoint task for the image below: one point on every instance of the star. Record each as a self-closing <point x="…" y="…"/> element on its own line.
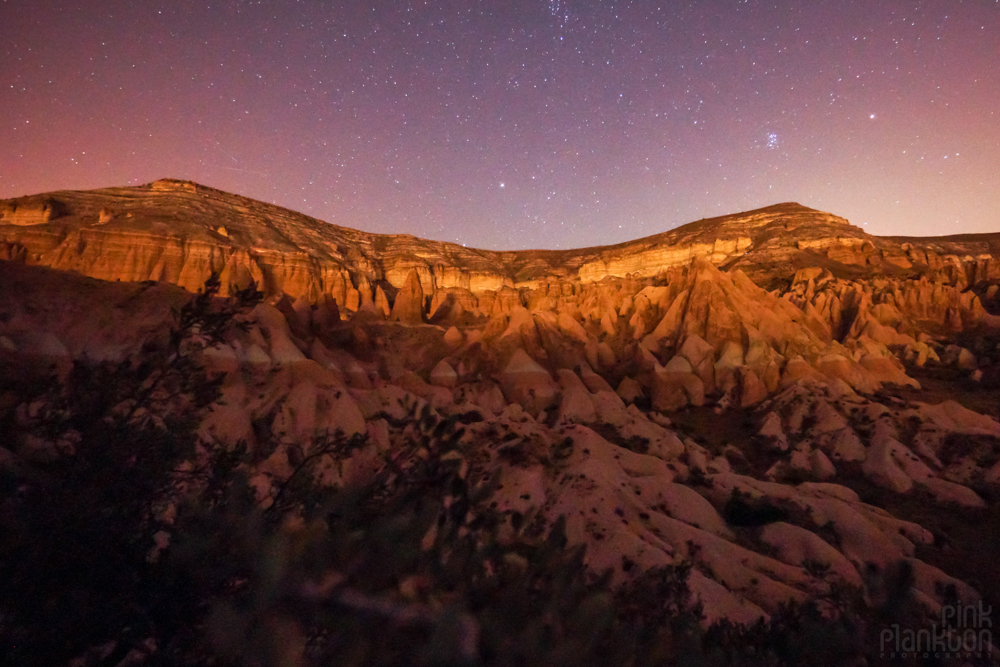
<point x="398" y="119"/>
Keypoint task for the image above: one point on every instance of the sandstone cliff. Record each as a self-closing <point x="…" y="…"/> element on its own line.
<point x="179" y="232"/>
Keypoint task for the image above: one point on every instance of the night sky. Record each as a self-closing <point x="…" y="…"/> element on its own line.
<point x="509" y="125"/>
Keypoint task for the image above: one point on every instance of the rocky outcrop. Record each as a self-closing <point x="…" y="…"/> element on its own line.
<point x="634" y="487"/>
<point x="180" y="232"/>
<point x="409" y="305"/>
<point x="710" y="394"/>
<point x="650" y="262"/>
<point x="32" y="212"/>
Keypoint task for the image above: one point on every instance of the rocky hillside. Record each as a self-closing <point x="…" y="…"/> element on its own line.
<point x="179" y="232"/>
<point x="789" y="403"/>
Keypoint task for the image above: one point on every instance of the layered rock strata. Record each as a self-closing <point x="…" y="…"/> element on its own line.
<point x="180" y="232"/>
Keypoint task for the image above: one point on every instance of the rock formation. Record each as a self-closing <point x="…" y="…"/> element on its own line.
<point x="764" y="394"/>
<point x="179" y="232"/>
<point x="409" y="304"/>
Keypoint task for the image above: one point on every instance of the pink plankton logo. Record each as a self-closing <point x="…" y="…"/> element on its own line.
<point x="965" y="631"/>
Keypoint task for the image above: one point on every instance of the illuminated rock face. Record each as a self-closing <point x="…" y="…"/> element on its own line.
<point x="770" y="356"/>
<point x="179" y="232"/>
<point x="633" y="486"/>
<point x="653" y="261"/>
<point x="36" y="212"/>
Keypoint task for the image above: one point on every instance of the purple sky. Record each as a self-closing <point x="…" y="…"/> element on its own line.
<point x="551" y="124"/>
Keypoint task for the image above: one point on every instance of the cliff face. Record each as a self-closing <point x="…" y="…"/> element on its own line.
<point x="179" y="232"/>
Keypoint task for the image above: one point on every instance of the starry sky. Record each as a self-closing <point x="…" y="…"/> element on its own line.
<point x="517" y="124"/>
